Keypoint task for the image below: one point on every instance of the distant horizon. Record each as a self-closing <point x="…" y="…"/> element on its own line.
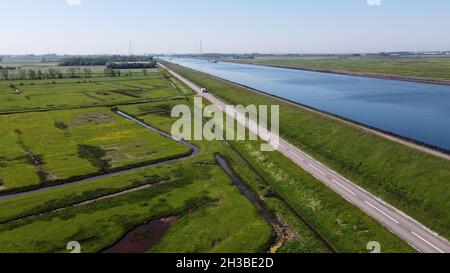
<point x="231" y="53"/>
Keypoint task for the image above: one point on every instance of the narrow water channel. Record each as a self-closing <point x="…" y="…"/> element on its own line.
<point x="245" y="191"/>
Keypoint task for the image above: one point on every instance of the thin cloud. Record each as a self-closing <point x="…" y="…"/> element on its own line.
<point x="73" y="2"/>
<point x="373" y="3"/>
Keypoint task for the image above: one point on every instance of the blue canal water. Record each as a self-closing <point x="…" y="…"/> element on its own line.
<point x="413" y="110"/>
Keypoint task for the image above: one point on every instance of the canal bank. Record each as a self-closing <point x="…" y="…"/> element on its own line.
<point x="413" y="112"/>
<point x="393" y="172"/>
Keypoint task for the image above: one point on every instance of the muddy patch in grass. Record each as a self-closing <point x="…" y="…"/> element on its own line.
<point x="129" y="93"/>
<point x="142" y="238"/>
<point x="92" y="118"/>
<point x="205" y="164"/>
<point x="160" y="110"/>
<point x="4" y="163"/>
<point x="60" y="125"/>
<point x="95" y="155"/>
<point x="35" y="160"/>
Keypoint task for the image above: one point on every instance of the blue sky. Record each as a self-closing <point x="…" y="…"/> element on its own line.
<point x="267" y="26"/>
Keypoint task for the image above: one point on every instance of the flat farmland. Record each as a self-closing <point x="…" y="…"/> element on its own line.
<point x="205" y="209"/>
<point x="71" y="93"/>
<point x="67" y="131"/>
<point x="59" y="145"/>
<point x="211" y="214"/>
<point x="36" y="65"/>
<point x="343" y="226"/>
<point x="420" y="67"/>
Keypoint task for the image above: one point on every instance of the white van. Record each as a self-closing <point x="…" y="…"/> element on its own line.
<point x="203" y="90"/>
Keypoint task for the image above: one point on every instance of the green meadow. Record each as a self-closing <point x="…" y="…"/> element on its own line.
<point x="196" y="190"/>
<point x="58" y="145"/>
<point x="434" y="68"/>
<point x="344" y="226"/>
<point x="212" y="214"/>
<point x="73" y="93"/>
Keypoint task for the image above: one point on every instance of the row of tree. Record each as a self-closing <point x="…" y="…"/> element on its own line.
<point x="110" y="72"/>
<point x="131" y="65"/>
<point x="52" y="73"/>
<point x="103" y="60"/>
<point x="8" y="67"/>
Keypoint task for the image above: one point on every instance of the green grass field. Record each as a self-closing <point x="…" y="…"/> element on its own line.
<point x="58" y="145"/>
<point x="44" y="94"/>
<point x="64" y="143"/>
<point x="196" y="190"/>
<point x="413" y="181"/>
<point x="436" y="68"/>
<point x="213" y="216"/>
<point x="344" y="226"/>
<point x="26" y="64"/>
<point x="201" y="198"/>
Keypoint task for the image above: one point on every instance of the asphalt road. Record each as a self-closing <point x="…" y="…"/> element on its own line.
<point x="405" y="227"/>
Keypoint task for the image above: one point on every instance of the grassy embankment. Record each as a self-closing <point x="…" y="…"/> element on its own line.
<point x="413" y="181"/>
<point x="331" y="216"/>
<point x="427" y="68"/>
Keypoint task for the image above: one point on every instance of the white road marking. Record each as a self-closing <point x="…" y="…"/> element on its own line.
<point x="423" y="239"/>
<point x="298" y="157"/>
<point x="315" y="168"/>
<point x="382" y="212"/>
<point x="344" y="187"/>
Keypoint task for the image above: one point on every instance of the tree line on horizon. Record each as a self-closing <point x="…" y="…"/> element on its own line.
<point x="51" y="73"/>
<point x="131" y="65"/>
<point x="112" y="64"/>
<point x="70" y="73"/>
<point x="103" y="60"/>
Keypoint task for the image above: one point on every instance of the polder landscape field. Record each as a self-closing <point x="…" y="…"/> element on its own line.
<point x="422" y="68"/>
<point x="81" y="140"/>
<point x="76" y="166"/>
